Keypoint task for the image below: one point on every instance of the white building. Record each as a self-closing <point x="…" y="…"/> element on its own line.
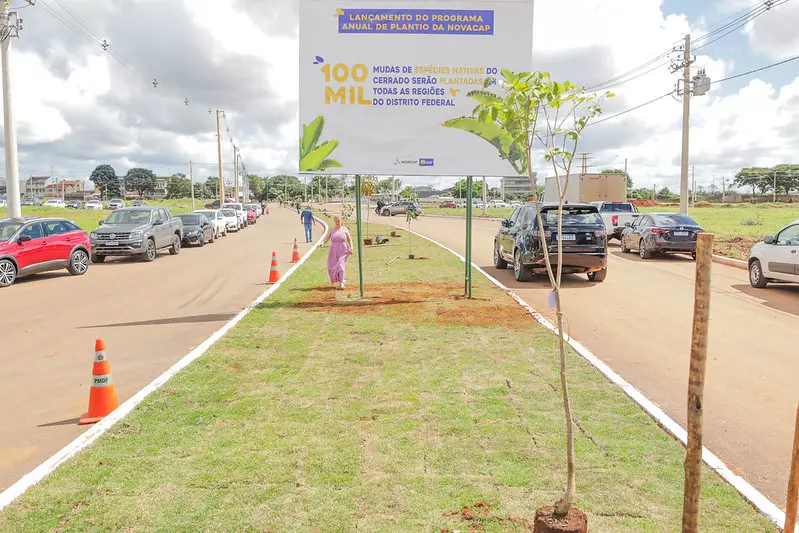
<point x="517" y="185"/>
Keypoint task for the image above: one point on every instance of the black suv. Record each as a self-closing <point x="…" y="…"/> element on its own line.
<point x="584" y="244"/>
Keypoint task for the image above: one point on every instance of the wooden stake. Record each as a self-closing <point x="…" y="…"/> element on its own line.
<point x="793" y="482"/>
<point x="696" y="383"/>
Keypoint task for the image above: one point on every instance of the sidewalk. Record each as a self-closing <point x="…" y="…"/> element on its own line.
<point x="410" y="410"/>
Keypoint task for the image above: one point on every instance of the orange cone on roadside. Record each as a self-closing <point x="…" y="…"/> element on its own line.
<point x="267" y="210"/>
<point x="103" y="394"/>
<point x="295" y="255"/>
<point x="274" y="273"/>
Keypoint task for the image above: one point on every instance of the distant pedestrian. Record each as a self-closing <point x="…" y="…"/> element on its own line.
<point x="340" y="251"/>
<point x="298" y="208"/>
<point x="309" y="222"/>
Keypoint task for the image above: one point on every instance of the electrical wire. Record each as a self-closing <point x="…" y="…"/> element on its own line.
<point x="794" y="58"/>
<point x="762" y="10"/>
<point x="652" y="101"/>
<point x="78" y="20"/>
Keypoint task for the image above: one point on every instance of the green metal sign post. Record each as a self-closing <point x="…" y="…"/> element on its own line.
<point x="358" y="219"/>
<point x="468" y="291"/>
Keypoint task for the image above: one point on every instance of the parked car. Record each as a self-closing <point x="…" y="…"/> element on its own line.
<point x="776" y="259"/>
<point x="217" y="219"/>
<point x="240" y="213"/>
<point x="139" y="231"/>
<point x="2" y="202"/>
<point x="616" y="216"/>
<point x="30" y="202"/>
<point x="115" y="204"/>
<point x="94" y="205"/>
<point x="585" y="250"/>
<point x="232" y="219"/>
<point x="197" y="229"/>
<point x="400" y="208"/>
<point x="259" y="211"/>
<point x="252" y="215"/>
<point x="36" y="245"/>
<point x="212" y="205"/>
<point x="497" y="203"/>
<point x="660" y="233"/>
<point x="55" y="203"/>
<point x="448" y="205"/>
<point x="138" y="203"/>
<point x="74" y="204"/>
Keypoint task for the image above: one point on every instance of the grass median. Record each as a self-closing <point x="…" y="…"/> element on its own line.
<point x="409" y="410"/>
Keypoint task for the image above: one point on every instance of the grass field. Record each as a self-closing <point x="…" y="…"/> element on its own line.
<point x="89" y="220"/>
<point x="410" y="410"/>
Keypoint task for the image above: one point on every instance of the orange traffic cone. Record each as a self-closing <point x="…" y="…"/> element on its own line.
<point x="295" y="255"/>
<point x="274" y="273"/>
<point x="103" y="394"/>
<point x="267" y="210"/>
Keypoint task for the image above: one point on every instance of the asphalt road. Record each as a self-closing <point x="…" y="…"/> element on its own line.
<point x="639" y="322"/>
<point x="150" y="315"/>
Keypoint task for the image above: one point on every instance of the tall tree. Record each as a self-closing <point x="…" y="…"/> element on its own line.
<point x="178" y="186"/>
<point x="754" y="177"/>
<point x="619" y="171"/>
<point x="212" y="186"/>
<point x="141" y="180"/>
<point x="105" y="178"/>
<point x="460" y="188"/>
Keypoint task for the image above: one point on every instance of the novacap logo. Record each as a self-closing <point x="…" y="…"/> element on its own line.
<point x="426" y="162"/>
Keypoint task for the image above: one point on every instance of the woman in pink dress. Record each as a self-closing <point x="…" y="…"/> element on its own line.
<point x="340" y="251"/>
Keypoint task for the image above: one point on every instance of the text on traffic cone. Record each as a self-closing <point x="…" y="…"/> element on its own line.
<point x="274" y="273"/>
<point x="295" y="255"/>
<point x="103" y="393"/>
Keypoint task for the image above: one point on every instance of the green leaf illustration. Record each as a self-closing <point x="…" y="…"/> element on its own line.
<point x="329" y="163"/>
<point x="312" y="161"/>
<point x="311" y="134"/>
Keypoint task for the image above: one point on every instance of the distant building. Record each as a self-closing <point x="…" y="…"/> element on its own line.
<point x="35" y="186"/>
<point x="3" y="189"/>
<point x="517" y="185"/>
<point x="68" y="189"/>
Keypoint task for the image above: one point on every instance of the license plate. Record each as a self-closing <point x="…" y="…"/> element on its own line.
<point x="567" y="237"/>
<point x="681" y="233"/>
<point x="112" y="243"/>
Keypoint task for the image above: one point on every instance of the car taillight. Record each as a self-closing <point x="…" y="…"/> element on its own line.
<point x="537" y="234"/>
<point x="659" y="231"/>
<point x="615" y="220"/>
<point x="599" y="233"/>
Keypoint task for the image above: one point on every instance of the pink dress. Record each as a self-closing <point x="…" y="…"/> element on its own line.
<point x="338" y="255"/>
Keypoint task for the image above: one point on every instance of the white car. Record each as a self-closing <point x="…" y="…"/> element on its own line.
<point x="497" y="203"/>
<point x="94" y="205"/>
<point x="2" y="202"/>
<point x="776" y="259"/>
<point x="241" y="213"/>
<point x="231" y="218"/>
<point x="55" y="203"/>
<point x="217" y="219"/>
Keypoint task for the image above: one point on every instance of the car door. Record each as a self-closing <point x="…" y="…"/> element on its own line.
<point x="59" y="245"/>
<point x="159" y="228"/>
<point x="783" y="255"/>
<point x="635" y="234"/>
<point x="506" y="243"/>
<point x="35" y="251"/>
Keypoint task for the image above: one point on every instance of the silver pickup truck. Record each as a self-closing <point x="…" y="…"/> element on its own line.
<point x="616" y="215"/>
<point x="139" y="231"/>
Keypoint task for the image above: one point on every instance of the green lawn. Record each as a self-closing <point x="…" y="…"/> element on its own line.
<point x="89" y="220"/>
<point x="738" y="226"/>
<point x="410" y="410"/>
<point x="493" y="212"/>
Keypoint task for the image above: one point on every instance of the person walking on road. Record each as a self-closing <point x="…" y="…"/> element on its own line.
<point x="309" y="222"/>
<point x="340" y="251"/>
<point x="298" y="208"/>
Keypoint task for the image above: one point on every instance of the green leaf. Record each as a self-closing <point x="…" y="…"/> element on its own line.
<point x="311" y="134"/>
<point x="485" y="97"/>
<point x="312" y="161"/>
<point x="329" y="163"/>
<point x="490" y="132"/>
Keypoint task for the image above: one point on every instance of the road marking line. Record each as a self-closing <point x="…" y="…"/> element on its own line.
<point x="766" y="507"/>
<point x="87" y="438"/>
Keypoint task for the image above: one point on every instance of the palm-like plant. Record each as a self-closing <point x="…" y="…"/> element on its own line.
<point x="314" y="156"/>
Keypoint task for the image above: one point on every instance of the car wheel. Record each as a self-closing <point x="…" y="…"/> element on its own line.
<point x="624" y="249"/>
<point x="642" y="251"/>
<point x="519" y="272"/>
<point x="149" y="251"/>
<point x="499" y="263"/>
<point x="213" y="237"/>
<point x="598" y="276"/>
<point x="8" y="273"/>
<point x="201" y="242"/>
<point x="175" y="248"/>
<point x="693" y="256"/>
<point x="756" y="277"/>
<point x="78" y="263"/>
<point x="386" y="213"/>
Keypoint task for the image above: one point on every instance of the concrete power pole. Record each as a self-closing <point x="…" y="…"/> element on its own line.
<point x="219" y="150"/>
<point x="191" y="177"/>
<point x="686" y="113"/>
<point x="9" y="28"/>
<point x="236" y="173"/>
<point x="693" y="183"/>
<point x="485" y="197"/>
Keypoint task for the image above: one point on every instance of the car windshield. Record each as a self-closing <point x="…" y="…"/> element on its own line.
<point x="190" y="220"/>
<point x="129" y="217"/>
<point x="228" y="212"/>
<point x="617" y="208"/>
<point x="572" y="216"/>
<point x="674" y="220"/>
<point x="7" y="229"/>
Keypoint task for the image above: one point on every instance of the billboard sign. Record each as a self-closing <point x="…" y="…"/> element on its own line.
<point x="383" y="82"/>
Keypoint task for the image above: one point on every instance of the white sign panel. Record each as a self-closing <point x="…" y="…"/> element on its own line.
<point x="382" y="83"/>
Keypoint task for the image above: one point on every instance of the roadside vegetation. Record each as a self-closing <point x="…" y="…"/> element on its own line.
<point x="410" y="410"/>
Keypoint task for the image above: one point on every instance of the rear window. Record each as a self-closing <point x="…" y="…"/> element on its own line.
<point x="673" y="220"/>
<point x="617" y="208"/>
<point x="572" y="216"/>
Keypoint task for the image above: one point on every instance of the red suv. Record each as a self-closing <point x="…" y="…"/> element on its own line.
<point x="252" y="215"/>
<point x="32" y="246"/>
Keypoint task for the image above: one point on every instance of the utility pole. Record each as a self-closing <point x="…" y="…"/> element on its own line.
<point x="485" y="197"/>
<point x="625" y="167"/>
<point x="693" y="183"/>
<point x="774" y="196"/>
<point x="219" y="150"/>
<point x="723" y="189"/>
<point x="236" y="173"/>
<point x="191" y="177"/>
<point x="9" y="28"/>
<point x="686" y="113"/>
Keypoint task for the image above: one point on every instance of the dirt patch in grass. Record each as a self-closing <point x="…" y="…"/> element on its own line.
<point x="737" y="247"/>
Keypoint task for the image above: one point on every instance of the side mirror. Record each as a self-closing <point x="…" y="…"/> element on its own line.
<point x="25" y="238"/>
<point x="158" y="223"/>
<point x="506" y="223"/>
<point x="102" y="222"/>
<point x="628" y="224"/>
<point x="768" y="240"/>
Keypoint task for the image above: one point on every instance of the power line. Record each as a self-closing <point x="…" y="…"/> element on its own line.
<point x="794" y="58"/>
<point x="761" y="11"/>
<point x="652" y="101"/>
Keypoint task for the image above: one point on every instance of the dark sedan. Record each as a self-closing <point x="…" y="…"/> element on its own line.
<point x="659" y="233"/>
<point x="197" y="229"/>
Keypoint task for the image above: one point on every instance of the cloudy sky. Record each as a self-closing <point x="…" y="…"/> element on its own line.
<point x="78" y="106"/>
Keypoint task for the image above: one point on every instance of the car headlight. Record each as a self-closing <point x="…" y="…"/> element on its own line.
<point x="93" y="236"/>
<point x="136" y="234"/>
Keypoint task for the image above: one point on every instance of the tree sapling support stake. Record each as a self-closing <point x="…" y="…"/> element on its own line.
<point x="793" y="482"/>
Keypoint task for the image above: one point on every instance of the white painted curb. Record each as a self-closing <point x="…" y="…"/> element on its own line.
<point x="91" y="435"/>
<point x="763" y="504"/>
<point x="729" y="261"/>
